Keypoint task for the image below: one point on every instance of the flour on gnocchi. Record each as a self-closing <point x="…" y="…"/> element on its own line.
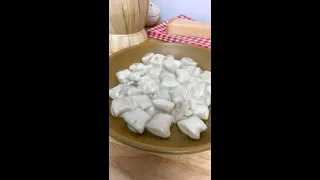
<point x="162" y="90"/>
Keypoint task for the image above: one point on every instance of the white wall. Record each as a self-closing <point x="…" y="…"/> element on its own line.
<point x="199" y="10"/>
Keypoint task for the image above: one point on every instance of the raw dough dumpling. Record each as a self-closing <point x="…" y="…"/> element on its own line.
<point x="151" y="111"/>
<point x="169" y="57"/>
<point x="157" y="60"/>
<point x="206" y="77"/>
<point x="200" y="108"/>
<point x="143" y="101"/>
<point x="137" y="119"/>
<point x="182" y="75"/>
<point x="135" y="76"/>
<point x="200" y="91"/>
<point x="192" y="126"/>
<point x="131" y="128"/>
<point x="146" y="58"/>
<point x="154" y="73"/>
<point x="169" y="82"/>
<point x="115" y="92"/>
<point x="161" y="93"/>
<point x="147" y="85"/>
<point x="160" y="124"/>
<point x="187" y="62"/>
<point x="171" y="65"/>
<point x="197" y="72"/>
<point x="163" y="105"/>
<point x="181" y="111"/>
<point x="208" y="95"/>
<point x="123" y="76"/>
<point x="121" y="106"/>
<point x="132" y="91"/>
<point x="138" y="67"/>
<point x="191" y="69"/>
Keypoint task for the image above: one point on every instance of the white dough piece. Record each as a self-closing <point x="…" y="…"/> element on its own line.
<point x="135" y="76"/>
<point x="192" y="126"/>
<point x="171" y="65"/>
<point x="169" y="57"/>
<point x="143" y="101"/>
<point x="177" y="96"/>
<point x="187" y="62"/>
<point x="121" y="106"/>
<point x="163" y="105"/>
<point x="199" y="92"/>
<point x="191" y="69"/>
<point x="123" y="76"/>
<point x="138" y="67"/>
<point x="200" y="108"/>
<point x="181" y="111"/>
<point x="154" y="72"/>
<point x="206" y="77"/>
<point x="131" y="128"/>
<point x="137" y="119"/>
<point x="132" y="91"/>
<point x="208" y="95"/>
<point x="197" y="72"/>
<point x="151" y="111"/>
<point x="160" y="124"/>
<point x="161" y="93"/>
<point x="182" y="75"/>
<point x="146" y="58"/>
<point x="169" y="82"/>
<point x="157" y="60"/>
<point x="147" y="85"/>
<point x="115" y="92"/>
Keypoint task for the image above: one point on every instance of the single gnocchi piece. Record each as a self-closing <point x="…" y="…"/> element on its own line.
<point x="147" y="85"/>
<point x="151" y="111"/>
<point x="143" y="101"/>
<point x="131" y="128"/>
<point x="206" y="77"/>
<point x="146" y="58"/>
<point x="163" y="105"/>
<point x="160" y="124"/>
<point x="187" y="62"/>
<point x="197" y="72"/>
<point x="115" y="92"/>
<point x="137" y="119"/>
<point x="171" y="65"/>
<point x="154" y="72"/>
<point x="200" y="91"/>
<point x="192" y="127"/>
<point x="161" y="93"/>
<point x="123" y="76"/>
<point x="169" y="82"/>
<point x="177" y="96"/>
<point x="200" y="108"/>
<point x="181" y="111"/>
<point x="183" y="75"/>
<point x="121" y="106"/>
<point x="138" y="67"/>
<point x="157" y="60"/>
<point x="169" y="57"/>
<point x="132" y="91"/>
<point x="135" y="76"/>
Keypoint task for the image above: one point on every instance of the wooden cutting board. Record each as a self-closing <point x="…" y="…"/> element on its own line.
<point x="127" y="163"/>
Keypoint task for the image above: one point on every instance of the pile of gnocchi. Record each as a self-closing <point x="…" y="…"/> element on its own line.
<point x="160" y="91"/>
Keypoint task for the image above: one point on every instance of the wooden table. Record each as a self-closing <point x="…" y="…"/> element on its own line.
<point x="127" y="163"/>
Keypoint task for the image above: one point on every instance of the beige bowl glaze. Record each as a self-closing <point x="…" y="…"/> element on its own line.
<point x="177" y="143"/>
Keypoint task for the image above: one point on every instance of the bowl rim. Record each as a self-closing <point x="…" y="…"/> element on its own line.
<point x="150" y="147"/>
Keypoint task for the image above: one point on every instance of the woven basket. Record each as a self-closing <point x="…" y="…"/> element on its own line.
<point x="127" y="19"/>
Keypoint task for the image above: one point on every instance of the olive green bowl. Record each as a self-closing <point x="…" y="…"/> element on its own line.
<point x="177" y="143"/>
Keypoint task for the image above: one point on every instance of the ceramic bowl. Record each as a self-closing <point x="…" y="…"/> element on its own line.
<point x="177" y="143"/>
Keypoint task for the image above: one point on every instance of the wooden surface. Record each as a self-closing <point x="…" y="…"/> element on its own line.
<point x="127" y="163"/>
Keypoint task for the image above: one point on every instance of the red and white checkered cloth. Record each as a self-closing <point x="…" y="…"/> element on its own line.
<point x="159" y="32"/>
